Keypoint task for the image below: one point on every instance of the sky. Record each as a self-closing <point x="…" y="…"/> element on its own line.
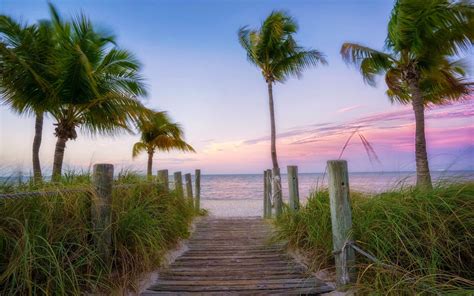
<point x="196" y="70"/>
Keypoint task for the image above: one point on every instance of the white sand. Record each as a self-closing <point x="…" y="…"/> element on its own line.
<point x="233" y="208"/>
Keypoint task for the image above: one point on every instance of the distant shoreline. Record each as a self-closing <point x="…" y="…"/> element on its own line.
<point x="47" y="177"/>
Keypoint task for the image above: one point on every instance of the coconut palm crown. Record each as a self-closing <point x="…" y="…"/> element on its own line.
<point x="421" y="61"/>
<point x="159" y="133"/>
<point x="98" y="85"/>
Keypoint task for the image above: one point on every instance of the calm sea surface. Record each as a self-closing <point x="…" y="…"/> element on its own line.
<point x="239" y="187"/>
<point x="250" y="187"/>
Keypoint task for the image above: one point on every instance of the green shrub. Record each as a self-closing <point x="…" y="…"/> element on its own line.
<point x="427" y="238"/>
<point x="46" y="244"/>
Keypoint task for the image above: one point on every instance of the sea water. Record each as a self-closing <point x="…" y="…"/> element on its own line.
<point x="231" y="187"/>
<point x="242" y="195"/>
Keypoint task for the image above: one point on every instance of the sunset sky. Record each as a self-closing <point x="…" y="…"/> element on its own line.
<point x="196" y="70"/>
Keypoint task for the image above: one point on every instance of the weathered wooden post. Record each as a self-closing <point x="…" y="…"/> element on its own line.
<point x="265" y="194"/>
<point x="276" y="191"/>
<point x="178" y="184"/>
<point x="294" y="193"/>
<point x="189" y="189"/>
<point x="269" y="194"/>
<point x="341" y="219"/>
<point x="197" y="184"/>
<point x="163" y="181"/>
<point x="102" y="181"/>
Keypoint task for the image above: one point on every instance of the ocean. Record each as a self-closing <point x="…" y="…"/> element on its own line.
<point x="248" y="187"/>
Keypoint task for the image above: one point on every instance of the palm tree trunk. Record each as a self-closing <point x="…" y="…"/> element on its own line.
<point x="38" y="177"/>
<point x="272" y="121"/>
<point x="423" y="176"/>
<point x="149" y="172"/>
<point x="276" y="179"/>
<point x="58" y="158"/>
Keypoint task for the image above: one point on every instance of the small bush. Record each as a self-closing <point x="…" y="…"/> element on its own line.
<point x="427" y="238"/>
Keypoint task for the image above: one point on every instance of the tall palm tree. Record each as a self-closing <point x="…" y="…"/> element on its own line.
<point x="273" y="49"/>
<point x="27" y="74"/>
<point x="159" y="133"/>
<point x="424" y="39"/>
<point x="98" y="85"/>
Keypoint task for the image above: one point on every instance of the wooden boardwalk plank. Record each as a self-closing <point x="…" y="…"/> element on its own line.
<point x="234" y="257"/>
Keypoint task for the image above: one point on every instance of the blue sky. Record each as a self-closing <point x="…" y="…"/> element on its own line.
<point x="196" y="70"/>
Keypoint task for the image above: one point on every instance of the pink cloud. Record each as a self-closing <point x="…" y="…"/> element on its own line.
<point x="390" y="133"/>
<point x="402" y="117"/>
<point x="449" y="131"/>
<point x="350" y="108"/>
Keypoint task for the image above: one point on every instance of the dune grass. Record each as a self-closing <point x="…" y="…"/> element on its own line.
<point x="46" y="245"/>
<point x="426" y="237"/>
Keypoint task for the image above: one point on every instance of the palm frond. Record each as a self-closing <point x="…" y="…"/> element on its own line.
<point x="244" y="35"/>
<point x="296" y="63"/>
<point x="447" y="83"/>
<point x="369" y="61"/>
<point x="167" y="143"/>
<point x="138" y="148"/>
<point x="397" y="87"/>
<point x="414" y="22"/>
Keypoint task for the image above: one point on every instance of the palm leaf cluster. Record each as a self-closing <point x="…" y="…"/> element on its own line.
<point x="26" y="65"/>
<point x="424" y="38"/>
<point x="274" y="50"/>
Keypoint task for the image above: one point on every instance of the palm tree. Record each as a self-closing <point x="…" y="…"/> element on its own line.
<point x="424" y="37"/>
<point x="98" y="85"/>
<point x="159" y="133"/>
<point x="273" y="49"/>
<point x="26" y="72"/>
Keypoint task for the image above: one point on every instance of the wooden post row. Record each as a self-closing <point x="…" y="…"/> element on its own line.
<point x="189" y="189"/>
<point x="163" y="180"/>
<point x="102" y="181"/>
<point x="341" y="220"/>
<point x="197" y="184"/>
<point x="294" y="194"/>
<point x="178" y="184"/>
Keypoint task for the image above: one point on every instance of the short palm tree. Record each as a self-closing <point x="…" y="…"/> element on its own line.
<point x="98" y="85"/>
<point x="159" y="133"/>
<point x="27" y="74"/>
<point x="424" y="38"/>
<point x="273" y="49"/>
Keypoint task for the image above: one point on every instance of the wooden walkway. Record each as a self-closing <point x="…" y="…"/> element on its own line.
<point x="232" y="256"/>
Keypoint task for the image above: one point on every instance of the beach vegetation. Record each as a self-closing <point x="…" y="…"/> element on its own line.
<point x="46" y="241"/>
<point x="422" y="239"/>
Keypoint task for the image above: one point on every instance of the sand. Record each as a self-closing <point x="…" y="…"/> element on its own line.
<point x="233" y="208"/>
